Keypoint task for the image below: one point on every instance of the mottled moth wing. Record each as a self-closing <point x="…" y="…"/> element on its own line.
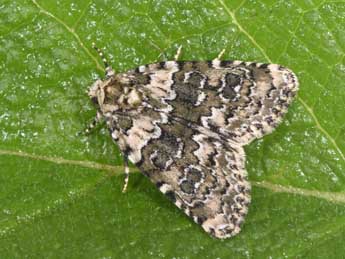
<point x="184" y="125"/>
<point x="202" y="174"/>
<point x="239" y="100"/>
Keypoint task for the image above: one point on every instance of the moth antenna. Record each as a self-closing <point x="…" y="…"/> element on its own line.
<point x="101" y="54"/>
<point x="108" y="69"/>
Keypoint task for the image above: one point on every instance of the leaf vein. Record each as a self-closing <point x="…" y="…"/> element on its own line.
<point x="75" y="25"/>
<point x="118" y="170"/>
<point x="60" y="160"/>
<point x="318" y="125"/>
<point x="70" y="30"/>
<point x="334" y="197"/>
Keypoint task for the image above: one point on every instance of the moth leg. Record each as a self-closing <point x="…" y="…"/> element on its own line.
<point x="178" y="53"/>
<point x="109" y="72"/>
<point x="126" y="174"/>
<point x="219" y="55"/>
<point x="163" y="56"/>
<point x="96" y="120"/>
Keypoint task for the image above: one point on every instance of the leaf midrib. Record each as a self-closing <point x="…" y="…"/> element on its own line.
<point x="334" y="197"/>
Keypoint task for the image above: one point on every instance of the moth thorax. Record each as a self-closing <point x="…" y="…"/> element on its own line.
<point x="130" y="98"/>
<point x="126" y="97"/>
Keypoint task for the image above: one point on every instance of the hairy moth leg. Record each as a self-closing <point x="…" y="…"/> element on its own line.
<point x="220" y="55"/>
<point x="95" y="121"/>
<point x="178" y="53"/>
<point x="126" y="174"/>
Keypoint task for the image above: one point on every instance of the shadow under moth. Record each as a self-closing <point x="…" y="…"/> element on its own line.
<point x="184" y="125"/>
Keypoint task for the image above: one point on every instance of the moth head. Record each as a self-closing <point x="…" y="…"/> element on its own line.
<point x="115" y="93"/>
<point x="96" y="92"/>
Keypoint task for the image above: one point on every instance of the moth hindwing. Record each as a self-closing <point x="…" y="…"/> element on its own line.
<point x="184" y="125"/>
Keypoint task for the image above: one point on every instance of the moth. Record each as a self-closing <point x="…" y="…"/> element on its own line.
<point x="184" y="125"/>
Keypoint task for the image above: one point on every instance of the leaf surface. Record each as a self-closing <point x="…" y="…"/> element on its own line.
<point x="60" y="194"/>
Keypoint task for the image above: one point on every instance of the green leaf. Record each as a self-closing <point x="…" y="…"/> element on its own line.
<point x="60" y="194"/>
